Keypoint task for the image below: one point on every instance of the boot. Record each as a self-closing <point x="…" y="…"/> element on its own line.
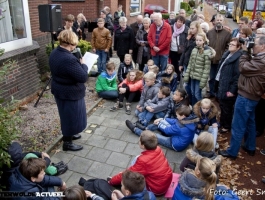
<point x="116" y="106"/>
<point x="70" y="146"/>
<point x="128" y="108"/>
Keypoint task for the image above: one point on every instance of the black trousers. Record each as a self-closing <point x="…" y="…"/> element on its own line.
<point x="175" y="57"/>
<point x="144" y="61"/>
<point x="130" y="96"/>
<point x="227" y="111"/>
<point x="260" y="111"/>
<point x="121" y="58"/>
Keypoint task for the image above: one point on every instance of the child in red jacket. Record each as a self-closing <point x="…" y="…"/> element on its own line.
<point x="131" y="88"/>
<point x="151" y="163"/>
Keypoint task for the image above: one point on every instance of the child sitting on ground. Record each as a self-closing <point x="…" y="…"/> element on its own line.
<point x="149" y="92"/>
<point x="30" y="177"/>
<point x="179" y="132"/>
<point x="207" y="112"/>
<point x="106" y="84"/>
<point x="179" y="98"/>
<point x="171" y="75"/>
<point x="125" y="67"/>
<point x="157" y="106"/>
<point x="149" y="64"/>
<point x="151" y="163"/>
<point x="204" y="147"/>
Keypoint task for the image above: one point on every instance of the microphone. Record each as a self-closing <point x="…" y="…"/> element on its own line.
<point x="77" y="53"/>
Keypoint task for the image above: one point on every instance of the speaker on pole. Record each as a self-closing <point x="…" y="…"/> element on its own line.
<point x="50" y="17"/>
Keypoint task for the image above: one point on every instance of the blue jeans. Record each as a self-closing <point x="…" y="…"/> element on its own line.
<point x="196" y="91"/>
<point x="146" y="116"/>
<point x="160" y="61"/>
<point x="109" y="94"/>
<point x="213" y="73"/>
<point x="102" y="59"/>
<point x="243" y="125"/>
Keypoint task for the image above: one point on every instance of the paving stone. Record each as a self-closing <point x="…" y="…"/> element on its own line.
<point x="177" y="170"/>
<point x="117" y="170"/>
<point x="62" y="156"/>
<point x="75" y="177"/>
<point x="95" y="119"/>
<point x="113" y="133"/>
<point x="115" y="145"/>
<point x="78" y="164"/>
<point x="119" y="159"/>
<point x="97" y="140"/>
<point x="111" y="123"/>
<point x="65" y="176"/>
<point x="98" y="111"/>
<point x="83" y="152"/>
<point x="123" y="116"/>
<point x="133" y="149"/>
<point x="100" y="170"/>
<point x="108" y="114"/>
<point x="98" y="154"/>
<point x="84" y="137"/>
<point x="175" y="157"/>
<point x="128" y="136"/>
<point x="122" y="126"/>
<point x="100" y="130"/>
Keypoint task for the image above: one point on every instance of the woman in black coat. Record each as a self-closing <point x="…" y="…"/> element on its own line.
<point x="80" y="24"/>
<point x="226" y="83"/>
<point x="179" y="38"/>
<point x="68" y="77"/>
<point x="123" y="39"/>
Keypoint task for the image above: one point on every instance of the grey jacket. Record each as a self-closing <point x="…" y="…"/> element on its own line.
<point x="158" y="104"/>
<point x="148" y="93"/>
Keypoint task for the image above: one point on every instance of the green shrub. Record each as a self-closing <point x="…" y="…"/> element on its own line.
<point x="222" y="12"/>
<point x="82" y="44"/>
<point x="185" y="6"/>
<point x="165" y="15"/>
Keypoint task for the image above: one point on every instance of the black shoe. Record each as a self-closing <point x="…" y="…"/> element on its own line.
<point x="263" y="180"/>
<point x="250" y="152"/>
<point x="58" y="164"/>
<point x="262" y="152"/>
<point x="76" y="136"/>
<point x="130" y="125"/>
<point x="140" y="126"/>
<point x="71" y="146"/>
<point x="225" y="154"/>
<point x="61" y="169"/>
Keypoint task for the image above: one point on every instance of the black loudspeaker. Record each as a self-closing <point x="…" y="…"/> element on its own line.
<point x="50" y="17"/>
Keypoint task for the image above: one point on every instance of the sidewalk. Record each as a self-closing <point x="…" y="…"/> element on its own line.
<point x="109" y="147"/>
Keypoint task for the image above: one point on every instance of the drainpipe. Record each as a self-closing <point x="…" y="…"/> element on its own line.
<point x="169" y="4"/>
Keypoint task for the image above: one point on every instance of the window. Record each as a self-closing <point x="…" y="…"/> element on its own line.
<point x="14" y="24"/>
<point x="135" y="7"/>
<point x="260" y="5"/>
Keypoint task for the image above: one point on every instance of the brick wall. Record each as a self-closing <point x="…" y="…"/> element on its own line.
<point x="22" y="79"/>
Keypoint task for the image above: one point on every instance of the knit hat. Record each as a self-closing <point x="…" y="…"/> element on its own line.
<point x="30" y="155"/>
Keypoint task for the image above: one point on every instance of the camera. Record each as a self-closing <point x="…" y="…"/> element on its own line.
<point x="218" y="26"/>
<point x="249" y="42"/>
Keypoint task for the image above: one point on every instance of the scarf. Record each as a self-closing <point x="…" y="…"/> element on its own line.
<point x="177" y="31"/>
<point x="119" y="13"/>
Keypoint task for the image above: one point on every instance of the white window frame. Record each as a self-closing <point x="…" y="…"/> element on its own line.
<point x="22" y="42"/>
<point x="140" y="9"/>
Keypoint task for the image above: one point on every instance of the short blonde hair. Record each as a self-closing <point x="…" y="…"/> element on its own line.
<point x="150" y="76"/>
<point x="154" y="69"/>
<point x="206" y="102"/>
<point x="67" y="37"/>
<point x="147" y="19"/>
<point x="151" y="61"/>
<point x="205" y="25"/>
<point x="123" y="19"/>
<point x="69" y="18"/>
<point x="205" y="142"/>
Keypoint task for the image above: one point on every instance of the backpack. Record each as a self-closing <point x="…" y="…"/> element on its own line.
<point x="98" y="186"/>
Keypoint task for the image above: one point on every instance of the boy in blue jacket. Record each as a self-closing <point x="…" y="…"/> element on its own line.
<point x="30" y="177"/>
<point x="178" y="132"/>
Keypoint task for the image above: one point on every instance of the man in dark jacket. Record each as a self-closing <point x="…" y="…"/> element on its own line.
<point x="251" y="86"/>
<point x="219" y="39"/>
<point x="135" y="27"/>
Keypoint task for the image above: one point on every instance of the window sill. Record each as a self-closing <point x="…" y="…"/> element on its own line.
<point x="134" y="14"/>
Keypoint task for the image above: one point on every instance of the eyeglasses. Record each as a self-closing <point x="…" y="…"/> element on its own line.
<point x="232" y="44"/>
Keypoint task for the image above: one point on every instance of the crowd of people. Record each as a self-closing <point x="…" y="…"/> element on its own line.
<point x="231" y="62"/>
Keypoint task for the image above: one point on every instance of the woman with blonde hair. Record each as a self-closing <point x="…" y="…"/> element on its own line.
<point x="80" y="24"/>
<point x="198" y="183"/>
<point x="130" y="88"/>
<point x="204" y="147"/>
<point x="69" y="75"/>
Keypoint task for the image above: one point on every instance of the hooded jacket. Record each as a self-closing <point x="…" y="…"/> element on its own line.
<point x="123" y="71"/>
<point x="229" y="75"/>
<point x="185" y="56"/>
<point x="134" y="86"/>
<point x="199" y="65"/>
<point x="189" y="186"/>
<point x="251" y="82"/>
<point x="157" y="104"/>
<point x="106" y="82"/>
<point x="207" y="119"/>
<point x="18" y="183"/>
<point x="180" y="132"/>
<point x="172" y="107"/>
<point x="219" y="41"/>
<point x="149" y="92"/>
<point x="153" y="165"/>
